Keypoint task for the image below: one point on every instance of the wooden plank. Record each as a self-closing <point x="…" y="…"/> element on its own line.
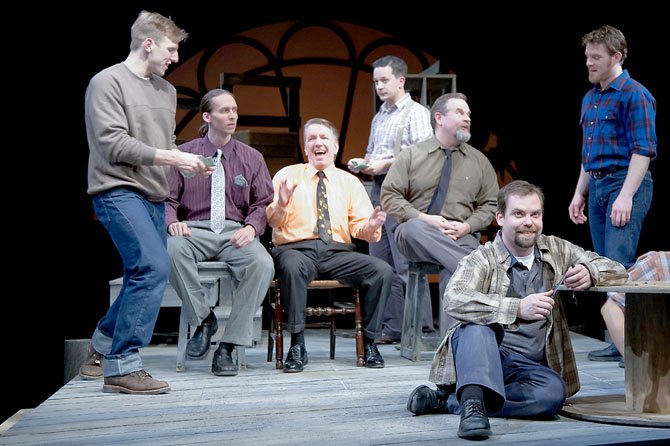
<point x="641" y="286"/>
<point x="647" y="352"/>
<point x="612" y="409"/>
<point x="331" y="402"/>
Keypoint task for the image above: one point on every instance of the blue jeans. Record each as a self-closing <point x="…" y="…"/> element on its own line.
<point x="617" y="243"/>
<point x="137" y="228"/>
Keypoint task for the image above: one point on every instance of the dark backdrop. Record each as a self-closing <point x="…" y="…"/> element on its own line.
<point x="524" y="79"/>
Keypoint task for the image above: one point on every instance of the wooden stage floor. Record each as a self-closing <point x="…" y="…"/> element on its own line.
<point x="330" y="403"/>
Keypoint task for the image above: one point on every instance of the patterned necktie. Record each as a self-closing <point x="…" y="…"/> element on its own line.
<point x="440" y="194"/>
<point x="323" y="217"/>
<point x="217" y="202"/>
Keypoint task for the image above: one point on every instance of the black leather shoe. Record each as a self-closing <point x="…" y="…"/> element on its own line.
<point x="424" y="400"/>
<point x="609" y="353"/>
<point x="198" y="345"/>
<point x="222" y="364"/>
<point x="373" y="359"/>
<point x="296" y="359"/>
<point x="474" y="423"/>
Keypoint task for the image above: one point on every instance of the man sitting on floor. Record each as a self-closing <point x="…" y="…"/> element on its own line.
<point x="509" y="353"/>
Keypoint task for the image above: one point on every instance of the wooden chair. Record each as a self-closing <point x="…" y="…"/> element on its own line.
<point x="276" y="318"/>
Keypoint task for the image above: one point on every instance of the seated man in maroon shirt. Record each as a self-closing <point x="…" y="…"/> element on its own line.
<point x="235" y="240"/>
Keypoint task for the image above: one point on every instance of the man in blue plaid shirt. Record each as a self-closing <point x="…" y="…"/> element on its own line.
<point x="619" y="141"/>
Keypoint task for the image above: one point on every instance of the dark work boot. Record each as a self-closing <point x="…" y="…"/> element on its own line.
<point x="474" y="423"/>
<point x="424" y="400"/>
<point x="609" y="353"/>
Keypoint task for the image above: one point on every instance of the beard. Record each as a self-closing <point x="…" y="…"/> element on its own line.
<point x="525" y="242"/>
<point x="463" y="136"/>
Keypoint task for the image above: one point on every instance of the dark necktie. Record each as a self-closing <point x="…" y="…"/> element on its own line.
<point x="440" y="193"/>
<point x="322" y="216"/>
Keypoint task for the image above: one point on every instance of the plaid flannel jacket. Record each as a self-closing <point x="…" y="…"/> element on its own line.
<point x="477" y="291"/>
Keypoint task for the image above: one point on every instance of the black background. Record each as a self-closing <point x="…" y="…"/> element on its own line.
<point x="524" y="79"/>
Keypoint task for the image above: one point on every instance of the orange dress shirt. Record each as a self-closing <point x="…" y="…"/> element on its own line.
<point x="348" y="205"/>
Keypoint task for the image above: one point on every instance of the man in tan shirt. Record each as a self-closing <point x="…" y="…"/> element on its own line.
<point x="441" y="234"/>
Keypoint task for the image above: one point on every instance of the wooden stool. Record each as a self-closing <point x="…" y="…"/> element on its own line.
<point x="276" y="317"/>
<point x="412" y="339"/>
<point x="217" y="281"/>
<point x="221" y="303"/>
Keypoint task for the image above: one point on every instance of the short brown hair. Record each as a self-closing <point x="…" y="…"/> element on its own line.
<point x="440" y="105"/>
<point x="519" y="188"/>
<point x="398" y="66"/>
<point x="155" y="26"/>
<point x="612" y="38"/>
<point x="321" y="121"/>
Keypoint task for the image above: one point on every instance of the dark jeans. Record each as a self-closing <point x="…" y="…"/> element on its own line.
<point x="514" y="386"/>
<point x="617" y="243"/>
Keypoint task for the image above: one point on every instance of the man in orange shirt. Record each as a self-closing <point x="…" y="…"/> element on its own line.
<point x="317" y="209"/>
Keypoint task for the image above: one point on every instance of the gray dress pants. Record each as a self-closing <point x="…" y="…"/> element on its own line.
<point x="252" y="270"/>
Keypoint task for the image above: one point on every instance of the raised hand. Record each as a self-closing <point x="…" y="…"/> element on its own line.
<point x="285" y="192"/>
<point x="377" y="218"/>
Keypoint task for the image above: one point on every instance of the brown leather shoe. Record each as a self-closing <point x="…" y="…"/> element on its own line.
<point x="135" y="383"/>
<point x="91" y="368"/>
<point x="386" y="339"/>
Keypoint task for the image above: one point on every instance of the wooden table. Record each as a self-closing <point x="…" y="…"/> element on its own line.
<point x="647" y="358"/>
